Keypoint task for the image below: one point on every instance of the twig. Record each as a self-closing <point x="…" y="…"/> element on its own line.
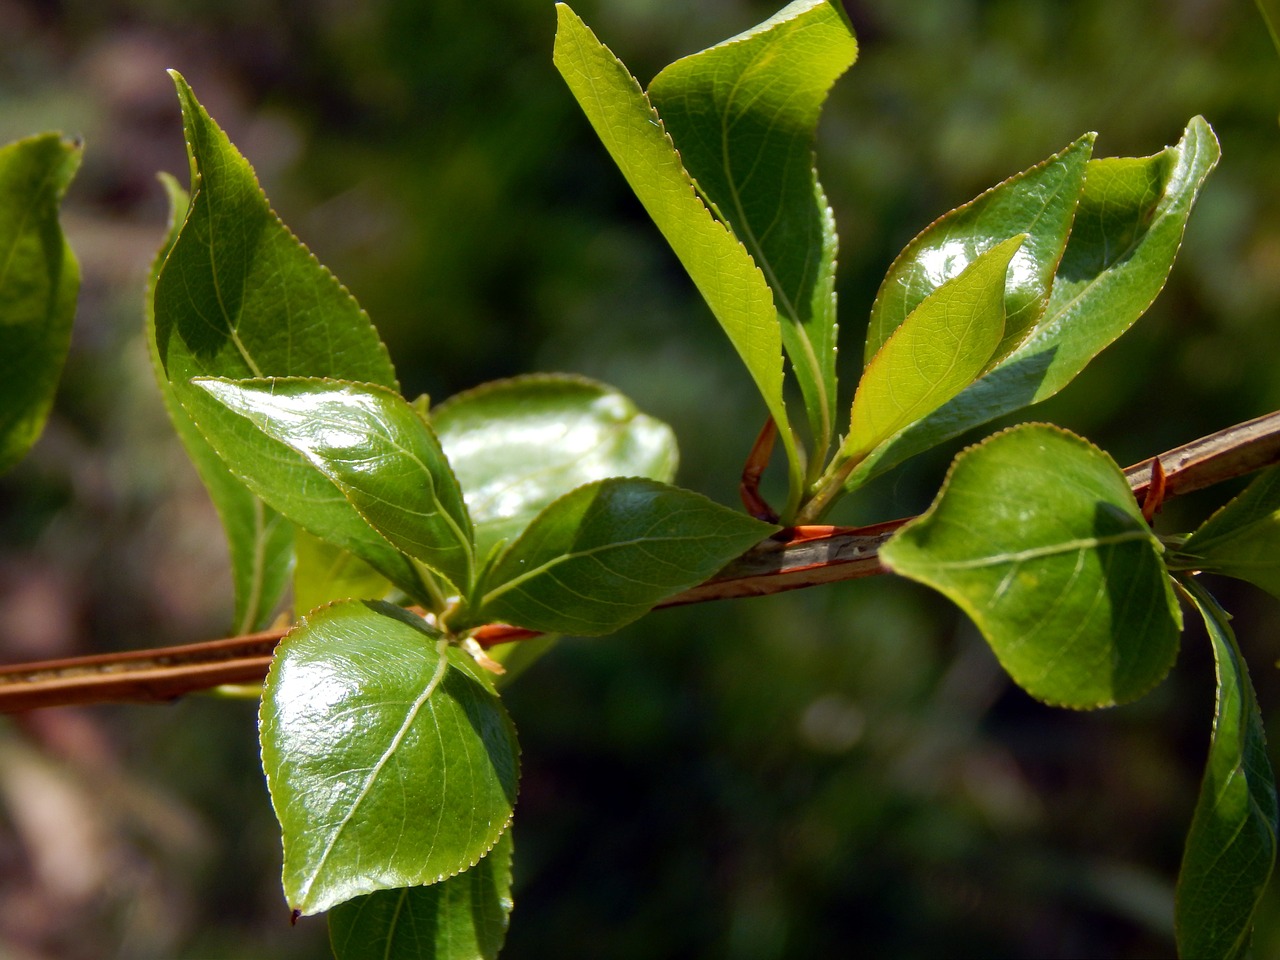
<point x="797" y="557"/>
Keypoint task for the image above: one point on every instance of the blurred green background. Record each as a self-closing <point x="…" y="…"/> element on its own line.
<point x="836" y="772"/>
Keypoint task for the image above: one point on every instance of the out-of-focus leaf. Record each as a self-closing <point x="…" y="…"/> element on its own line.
<point x="936" y="352"/>
<point x="324" y="573"/>
<point x="376" y="448"/>
<point x="1037" y="537"/>
<point x="390" y="762"/>
<point x="744" y="115"/>
<point x="1127" y="230"/>
<point x="461" y="918"/>
<point x="1231" y="846"/>
<point x="516" y="445"/>
<point x="718" y="263"/>
<point x="237" y="295"/>
<point x="1040" y="202"/>
<point x="603" y="555"/>
<point x="1242" y="539"/>
<point x="39" y="280"/>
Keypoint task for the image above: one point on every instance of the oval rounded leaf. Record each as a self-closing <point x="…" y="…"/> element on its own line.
<point x="462" y="918"/>
<point x="516" y="445"/>
<point x="606" y="553"/>
<point x="390" y="762"/>
<point x="1037" y="537"/>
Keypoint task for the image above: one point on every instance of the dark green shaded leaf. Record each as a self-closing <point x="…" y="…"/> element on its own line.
<point x="377" y="449"/>
<point x="39" y="280"/>
<point x="720" y="266"/>
<point x="1037" y="537"/>
<point x="1127" y="230"/>
<point x="461" y="918"/>
<point x="390" y="762"/>
<point x="1231" y="846"/>
<point x="744" y="115"/>
<point x="1242" y="539"/>
<point x="937" y="351"/>
<point x="516" y="445"/>
<point x="1040" y="202"/>
<point x="603" y="555"/>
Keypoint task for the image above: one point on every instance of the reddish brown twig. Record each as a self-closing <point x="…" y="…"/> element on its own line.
<point x="753" y="470"/>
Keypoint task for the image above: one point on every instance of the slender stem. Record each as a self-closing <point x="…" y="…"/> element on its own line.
<point x="801" y="556"/>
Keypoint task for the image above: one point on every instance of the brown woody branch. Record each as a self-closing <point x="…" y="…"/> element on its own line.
<point x="796" y="558"/>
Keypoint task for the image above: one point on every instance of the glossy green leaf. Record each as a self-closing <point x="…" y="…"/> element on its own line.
<point x="1127" y="230"/>
<point x="39" y="280"/>
<point x="1231" y="846"/>
<point x="518" y="444"/>
<point x="744" y="115"/>
<point x="375" y="448"/>
<point x="461" y="918"/>
<point x="324" y="573"/>
<point x="259" y="540"/>
<point x="718" y="263"/>
<point x="1040" y="202"/>
<point x="1037" y="537"/>
<point x="1242" y="539"/>
<point x="391" y="763"/>
<point x="237" y="295"/>
<point x="603" y="555"/>
<point x="937" y="351"/>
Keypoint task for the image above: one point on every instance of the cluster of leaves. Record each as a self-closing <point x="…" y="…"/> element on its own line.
<point x="545" y="502"/>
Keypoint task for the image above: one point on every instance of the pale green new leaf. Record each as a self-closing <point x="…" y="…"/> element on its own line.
<point x="390" y="762"/>
<point x="1242" y="539"/>
<point x="1040" y="202"/>
<point x="719" y="265"/>
<point x="744" y="115"/>
<point x="1128" y="227"/>
<point x="236" y="295"/>
<point x="461" y="918"/>
<point x="323" y="573"/>
<point x="39" y="280"/>
<point x="516" y="445"/>
<point x="605" y="554"/>
<point x="937" y="351"/>
<point x="1231" y="847"/>
<point x="375" y="448"/>
<point x="1037" y="537"/>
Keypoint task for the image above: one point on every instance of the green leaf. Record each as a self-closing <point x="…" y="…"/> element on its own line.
<point x="1040" y="202"/>
<point x="461" y="918"/>
<point x="1127" y="230"/>
<point x="369" y="443"/>
<point x="237" y="295"/>
<point x="259" y="540"/>
<point x="937" y="351"/>
<point x="518" y="444"/>
<point x="719" y="265"/>
<point x="1037" y="537"/>
<point x="1242" y="539"/>
<point x="744" y="115"/>
<point x="1231" y="846"/>
<point x="39" y="280"/>
<point x="603" y="555"/>
<point x="324" y="573"/>
<point x="390" y="762"/>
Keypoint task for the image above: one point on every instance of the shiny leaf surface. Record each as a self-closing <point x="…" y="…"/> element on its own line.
<point x="518" y="444"/>
<point x="461" y="918"/>
<point x="718" y="263"/>
<point x="937" y="351"/>
<point x="1231" y="846"/>
<point x="1242" y="539"/>
<point x="1037" y="537"/>
<point x="390" y="762"/>
<point x="39" y="280"/>
<point x="743" y="115"/>
<point x="603" y="555"/>
<point x="1127" y="230"/>
<point x="377" y="450"/>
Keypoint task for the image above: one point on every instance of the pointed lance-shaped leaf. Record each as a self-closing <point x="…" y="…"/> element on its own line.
<point x="1242" y="539"/>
